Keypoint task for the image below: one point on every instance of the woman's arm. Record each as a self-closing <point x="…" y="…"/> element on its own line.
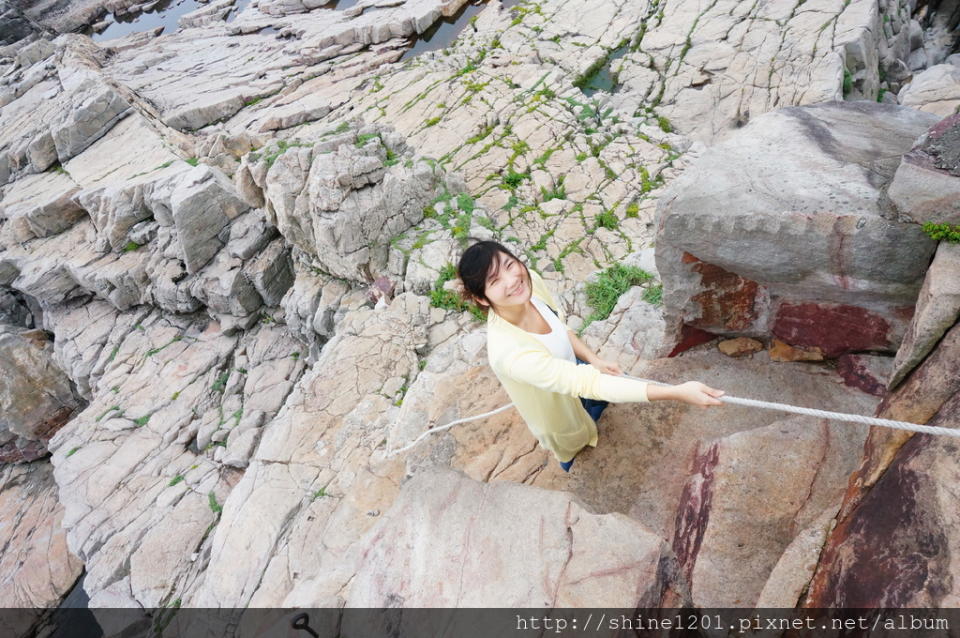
<point x="691" y="392"/>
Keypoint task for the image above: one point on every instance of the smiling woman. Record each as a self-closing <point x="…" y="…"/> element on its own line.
<point x="538" y="359"/>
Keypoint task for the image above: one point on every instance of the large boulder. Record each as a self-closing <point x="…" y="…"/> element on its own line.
<point x="785" y="230"/>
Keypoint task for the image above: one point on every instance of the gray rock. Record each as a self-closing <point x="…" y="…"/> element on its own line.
<point x="201" y="205"/>
<point x="93" y="112"/>
<point x="935" y="90"/>
<point x="342" y="207"/>
<point x="272" y="272"/>
<point x="937" y="309"/>
<point x="926" y="187"/>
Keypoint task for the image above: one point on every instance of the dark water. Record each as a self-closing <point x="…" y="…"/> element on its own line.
<point x="166" y="14"/>
<point x="72" y="618"/>
<point x="602" y="79"/>
<point x="444" y="31"/>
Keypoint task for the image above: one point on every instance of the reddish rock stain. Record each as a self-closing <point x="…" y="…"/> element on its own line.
<point x="693" y="512"/>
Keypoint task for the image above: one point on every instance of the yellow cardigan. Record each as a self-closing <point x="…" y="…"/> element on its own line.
<point x="546" y="390"/>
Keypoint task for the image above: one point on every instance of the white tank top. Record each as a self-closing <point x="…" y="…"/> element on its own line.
<point x="557" y="340"/>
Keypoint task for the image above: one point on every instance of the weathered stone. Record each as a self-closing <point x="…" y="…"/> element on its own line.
<point x="936" y="90"/>
<point x="784" y="475"/>
<point x="553" y="534"/>
<point x="342" y="207"/>
<point x="634" y="330"/>
<point x="739" y="347"/>
<point x="895" y="546"/>
<point x="196" y="206"/>
<point x="926" y="187"/>
<point x="271" y="272"/>
<point x="37" y="566"/>
<point x="94" y="111"/>
<point x="937" y="310"/>
<point x="725" y="272"/>
<point x="832" y="328"/>
<point x="790" y="576"/>
<point x="35" y="396"/>
<point x="43" y="204"/>
<point x="781" y="351"/>
<point x="867" y="372"/>
<point x="212" y="12"/>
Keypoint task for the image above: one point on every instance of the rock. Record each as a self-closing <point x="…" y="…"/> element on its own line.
<point x="35" y="396"/>
<point x="337" y="398"/>
<point x="584" y="558"/>
<point x="784" y="475"/>
<point x="792" y="573"/>
<point x="95" y="109"/>
<point x="272" y="272"/>
<point x="14" y="311"/>
<point x="739" y="347"/>
<point x="733" y="272"/>
<point x="38" y="567"/>
<point x="926" y="187"/>
<point x="165" y="442"/>
<point x="212" y="12"/>
<point x="895" y="541"/>
<point x="714" y="70"/>
<point x="867" y="372"/>
<point x="633" y="331"/>
<point x="780" y="351"/>
<point x="341" y="206"/>
<point x="938" y="308"/>
<point x="936" y="90"/>
<point x="301" y="301"/>
<point x="116" y="208"/>
<point x="194" y="207"/>
<point x="664" y="434"/>
<point x="41" y="205"/>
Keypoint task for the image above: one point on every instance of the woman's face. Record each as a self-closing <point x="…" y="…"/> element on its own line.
<point x="508" y="282"/>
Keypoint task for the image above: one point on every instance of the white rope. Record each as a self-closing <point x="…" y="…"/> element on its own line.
<point x="836" y="416"/>
<point x="769" y="405"/>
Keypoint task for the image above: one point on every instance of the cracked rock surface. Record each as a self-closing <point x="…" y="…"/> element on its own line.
<point x="238" y="233"/>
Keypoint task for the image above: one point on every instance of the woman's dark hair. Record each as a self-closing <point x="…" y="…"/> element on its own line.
<point x="475" y="264"/>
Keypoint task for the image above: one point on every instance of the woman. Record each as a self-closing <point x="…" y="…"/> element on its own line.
<point x="537" y="358"/>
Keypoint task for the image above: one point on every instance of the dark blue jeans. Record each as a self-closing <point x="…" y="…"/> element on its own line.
<point x="594" y="408"/>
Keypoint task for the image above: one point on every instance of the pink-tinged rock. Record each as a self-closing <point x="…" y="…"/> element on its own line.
<point x="921" y="395"/>
<point x="748" y="496"/>
<point x="898" y="546"/>
<point x="36" y="567"/>
<point x="926" y="187"/>
<point x="835" y="328"/>
<point x="450" y="541"/>
<point x="867" y="372"/>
